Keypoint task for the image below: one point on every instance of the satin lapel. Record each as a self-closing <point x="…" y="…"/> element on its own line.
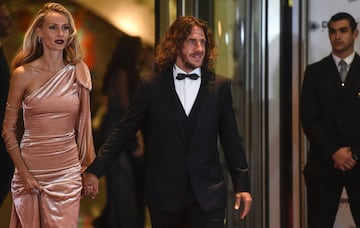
<point x="332" y="71"/>
<point x="206" y="87"/>
<point x="333" y="68"/>
<point x="354" y="69"/>
<point x="173" y="102"/>
<point x="206" y="80"/>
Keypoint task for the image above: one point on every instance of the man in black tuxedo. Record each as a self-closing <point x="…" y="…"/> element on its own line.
<point x="183" y="109"/>
<point x="6" y="165"/>
<point x="330" y="114"/>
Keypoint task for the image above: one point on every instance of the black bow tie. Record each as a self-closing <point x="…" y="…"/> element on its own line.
<point x="181" y="76"/>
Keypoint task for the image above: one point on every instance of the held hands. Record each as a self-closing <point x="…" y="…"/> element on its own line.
<point x="90" y="185"/>
<point x="343" y="159"/>
<point x="246" y="199"/>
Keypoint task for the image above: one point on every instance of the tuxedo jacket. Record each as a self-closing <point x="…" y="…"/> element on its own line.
<point x="330" y="111"/>
<point x="4" y="89"/>
<point x="182" y="148"/>
<point x="6" y="164"/>
<point x="4" y="85"/>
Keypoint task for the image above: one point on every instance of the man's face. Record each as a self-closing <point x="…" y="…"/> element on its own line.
<point x="192" y="53"/>
<point x="5" y="21"/>
<point x="341" y="37"/>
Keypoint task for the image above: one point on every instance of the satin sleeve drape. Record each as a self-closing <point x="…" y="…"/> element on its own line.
<point x="83" y="129"/>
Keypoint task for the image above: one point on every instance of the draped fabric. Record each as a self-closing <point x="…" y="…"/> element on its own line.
<point x="56" y="143"/>
<point x="84" y="130"/>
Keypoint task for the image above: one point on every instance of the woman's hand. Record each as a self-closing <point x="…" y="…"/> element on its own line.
<point x="90" y="185"/>
<point x="30" y="184"/>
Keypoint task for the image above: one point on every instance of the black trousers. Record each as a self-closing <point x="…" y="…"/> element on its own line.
<point x="324" y="189"/>
<point x="191" y="215"/>
<point x="120" y="208"/>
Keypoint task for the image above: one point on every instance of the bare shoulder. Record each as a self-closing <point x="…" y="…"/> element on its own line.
<point x="21" y="76"/>
<point x="20" y="72"/>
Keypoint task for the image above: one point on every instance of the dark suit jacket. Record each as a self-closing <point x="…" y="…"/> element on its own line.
<point x="6" y="164"/>
<point x="182" y="148"/>
<point x="4" y="85"/>
<point x="330" y="113"/>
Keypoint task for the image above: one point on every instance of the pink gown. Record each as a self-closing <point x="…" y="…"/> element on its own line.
<point x="56" y="143"/>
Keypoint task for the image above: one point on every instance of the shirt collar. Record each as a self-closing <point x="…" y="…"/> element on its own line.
<point x="177" y="70"/>
<point x="348" y="59"/>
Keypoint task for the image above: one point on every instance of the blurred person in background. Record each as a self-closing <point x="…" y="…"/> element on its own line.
<point x="124" y="207"/>
<point x="6" y="164"/>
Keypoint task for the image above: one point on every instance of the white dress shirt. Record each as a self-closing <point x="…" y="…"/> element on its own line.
<point x="348" y="60"/>
<point x="187" y="89"/>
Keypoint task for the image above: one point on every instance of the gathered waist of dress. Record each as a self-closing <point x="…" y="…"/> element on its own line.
<point x="53" y="172"/>
<point x="49" y="124"/>
<point x="54" y="175"/>
<point x="50" y="152"/>
<point x="30" y="136"/>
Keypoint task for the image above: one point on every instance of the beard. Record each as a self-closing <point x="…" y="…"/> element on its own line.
<point x="186" y="63"/>
<point x="189" y="65"/>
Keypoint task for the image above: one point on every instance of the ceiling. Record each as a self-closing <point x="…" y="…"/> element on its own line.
<point x="134" y="17"/>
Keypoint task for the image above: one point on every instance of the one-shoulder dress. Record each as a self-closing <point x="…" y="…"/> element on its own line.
<point x="56" y="143"/>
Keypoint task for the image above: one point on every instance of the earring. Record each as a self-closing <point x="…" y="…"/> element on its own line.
<point x="39" y="40"/>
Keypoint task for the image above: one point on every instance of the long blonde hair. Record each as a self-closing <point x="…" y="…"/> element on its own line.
<point x="32" y="49"/>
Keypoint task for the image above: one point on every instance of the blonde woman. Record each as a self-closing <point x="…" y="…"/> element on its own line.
<point x="51" y="84"/>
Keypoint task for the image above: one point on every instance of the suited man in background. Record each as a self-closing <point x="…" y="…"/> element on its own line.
<point x="330" y="114"/>
<point x="183" y="109"/>
<point x="7" y="167"/>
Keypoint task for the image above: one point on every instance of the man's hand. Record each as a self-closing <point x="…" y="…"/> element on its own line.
<point x="343" y="159"/>
<point x="90" y="185"/>
<point x="245" y="198"/>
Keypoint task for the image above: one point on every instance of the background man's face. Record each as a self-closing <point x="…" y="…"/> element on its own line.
<point x="5" y="21"/>
<point x="341" y="37"/>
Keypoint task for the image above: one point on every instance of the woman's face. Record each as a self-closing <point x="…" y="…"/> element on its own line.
<point x="54" y="32"/>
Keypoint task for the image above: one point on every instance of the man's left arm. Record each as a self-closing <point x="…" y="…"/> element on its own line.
<point x="355" y="151"/>
<point x="234" y="151"/>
